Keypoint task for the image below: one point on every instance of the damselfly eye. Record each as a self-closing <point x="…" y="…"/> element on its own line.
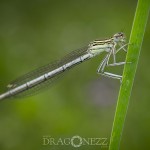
<point x="119" y="37"/>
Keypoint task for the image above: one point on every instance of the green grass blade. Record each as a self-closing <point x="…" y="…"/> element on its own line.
<point x="136" y="38"/>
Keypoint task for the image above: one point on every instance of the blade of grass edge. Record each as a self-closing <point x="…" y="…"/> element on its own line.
<point x="136" y="38"/>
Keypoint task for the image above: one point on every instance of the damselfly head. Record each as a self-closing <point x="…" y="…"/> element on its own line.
<point x="119" y="37"/>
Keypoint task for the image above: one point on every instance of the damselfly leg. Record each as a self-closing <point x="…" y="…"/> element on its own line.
<point x="105" y="63"/>
<point x="122" y="47"/>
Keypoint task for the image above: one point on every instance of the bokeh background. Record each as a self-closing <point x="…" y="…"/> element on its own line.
<point x="34" y="33"/>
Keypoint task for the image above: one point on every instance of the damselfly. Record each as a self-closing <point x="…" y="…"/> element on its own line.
<point x="37" y="79"/>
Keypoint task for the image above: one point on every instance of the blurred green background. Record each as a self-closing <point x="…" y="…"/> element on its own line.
<point x="34" y="33"/>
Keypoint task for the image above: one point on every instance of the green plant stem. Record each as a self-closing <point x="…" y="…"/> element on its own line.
<point x="136" y="38"/>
